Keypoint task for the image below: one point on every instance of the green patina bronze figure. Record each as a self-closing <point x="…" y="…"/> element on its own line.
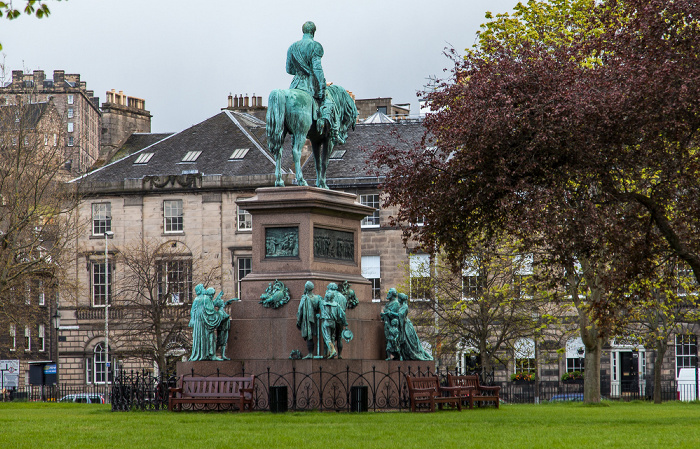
<point x="307" y="320"/>
<point x="406" y="344"/>
<point x="349" y="293"/>
<point x="308" y="101"/>
<point x="224" y="326"/>
<point x="333" y="321"/>
<point x="206" y="319"/>
<point x="276" y="295"/>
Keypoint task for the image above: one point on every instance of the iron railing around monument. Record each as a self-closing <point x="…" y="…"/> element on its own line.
<point x="318" y="390"/>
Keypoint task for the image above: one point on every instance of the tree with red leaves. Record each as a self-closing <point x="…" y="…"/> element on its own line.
<point x="584" y="143"/>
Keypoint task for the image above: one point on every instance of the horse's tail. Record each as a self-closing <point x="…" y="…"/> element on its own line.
<point x="275" y="118"/>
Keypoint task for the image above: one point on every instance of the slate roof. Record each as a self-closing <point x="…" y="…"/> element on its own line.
<point x="353" y="167"/>
<point x="217" y="138"/>
<point x="138" y="141"/>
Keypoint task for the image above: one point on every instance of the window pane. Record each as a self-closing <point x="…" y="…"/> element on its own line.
<point x="245" y="220"/>
<point x="101" y="287"/>
<point x="172" y="212"/>
<point x="175" y="281"/>
<point x="371" y="201"/>
<point x="101" y="218"/>
<point x="244" y="267"/>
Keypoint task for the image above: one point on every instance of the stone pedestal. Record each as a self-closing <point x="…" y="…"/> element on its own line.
<point x="302" y="234"/>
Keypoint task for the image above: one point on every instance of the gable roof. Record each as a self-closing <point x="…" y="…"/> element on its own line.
<point x="216" y="138"/>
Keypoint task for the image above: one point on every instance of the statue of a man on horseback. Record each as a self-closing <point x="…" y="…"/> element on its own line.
<point x="304" y="62"/>
<point x="308" y="101"/>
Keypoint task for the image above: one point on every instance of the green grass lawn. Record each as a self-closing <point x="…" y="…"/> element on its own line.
<point x="623" y="425"/>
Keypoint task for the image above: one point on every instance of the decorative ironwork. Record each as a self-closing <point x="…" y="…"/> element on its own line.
<point x="332" y="244"/>
<point x="325" y="390"/>
<point x="282" y="242"/>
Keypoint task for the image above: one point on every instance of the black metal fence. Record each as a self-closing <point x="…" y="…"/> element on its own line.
<point x="354" y="391"/>
<point x="54" y="393"/>
<point x="324" y="390"/>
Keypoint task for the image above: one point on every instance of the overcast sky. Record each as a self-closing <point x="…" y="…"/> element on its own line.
<point x="185" y="57"/>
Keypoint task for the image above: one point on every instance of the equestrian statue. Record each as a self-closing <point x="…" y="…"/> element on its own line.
<point x="308" y="109"/>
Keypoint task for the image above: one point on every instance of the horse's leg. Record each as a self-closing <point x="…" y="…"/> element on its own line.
<point x="316" y="145"/>
<point x="279" y="182"/>
<point x="325" y="157"/>
<point x="297" y="145"/>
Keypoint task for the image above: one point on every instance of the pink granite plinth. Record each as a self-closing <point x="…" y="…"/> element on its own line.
<point x="259" y="333"/>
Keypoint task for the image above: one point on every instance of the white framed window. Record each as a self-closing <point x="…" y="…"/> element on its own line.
<point x="191" y="156"/>
<point x="421" y="287"/>
<point x="522" y="270"/>
<point x="337" y="154"/>
<point x="42" y="338"/>
<point x="42" y="295"/>
<point x="174" y="281"/>
<point x="143" y="158"/>
<point x="101" y="284"/>
<point x="27" y="339"/>
<point x="13" y="337"/>
<point x="686" y="351"/>
<point x="69" y="99"/>
<point x="27" y="294"/>
<point x="524" y="351"/>
<point x="172" y="216"/>
<point x="70" y="112"/>
<point x="575" y="355"/>
<point x="371" y="270"/>
<point x="70" y="127"/>
<point x="245" y="266"/>
<point x="71" y="141"/>
<point x="238" y="154"/>
<point x="372" y="200"/>
<point x="245" y="220"/>
<point x="98" y="366"/>
<point x="101" y="218"/>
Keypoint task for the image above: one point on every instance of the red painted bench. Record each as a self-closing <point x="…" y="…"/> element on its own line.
<point x="427" y="390"/>
<point x="212" y="390"/>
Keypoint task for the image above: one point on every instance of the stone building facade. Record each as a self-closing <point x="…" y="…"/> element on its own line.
<point x="121" y="117"/>
<point x="90" y="134"/>
<point x="73" y="101"/>
<point x="367" y="107"/>
<point x="192" y="179"/>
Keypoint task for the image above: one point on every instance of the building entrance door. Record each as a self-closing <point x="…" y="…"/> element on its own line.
<point x="629" y="372"/>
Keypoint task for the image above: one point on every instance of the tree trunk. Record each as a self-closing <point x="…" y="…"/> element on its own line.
<point x="591" y="374"/>
<point x="661" y="347"/>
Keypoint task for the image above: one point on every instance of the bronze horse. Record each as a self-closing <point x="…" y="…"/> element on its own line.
<point x="291" y="111"/>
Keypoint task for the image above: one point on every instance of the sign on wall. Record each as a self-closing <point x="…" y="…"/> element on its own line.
<point x="10" y="373"/>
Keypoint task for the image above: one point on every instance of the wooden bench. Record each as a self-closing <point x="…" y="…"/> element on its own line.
<point x="212" y="390"/>
<point x="476" y="392"/>
<point x="427" y="390"/>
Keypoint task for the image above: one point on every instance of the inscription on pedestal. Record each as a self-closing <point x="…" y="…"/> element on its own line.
<point x="331" y="244"/>
<point x="282" y="242"/>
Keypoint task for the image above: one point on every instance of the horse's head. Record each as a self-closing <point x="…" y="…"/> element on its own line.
<point x="348" y="111"/>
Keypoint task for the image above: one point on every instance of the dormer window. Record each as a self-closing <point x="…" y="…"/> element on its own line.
<point x="238" y="153"/>
<point x="337" y="154"/>
<point x="191" y="156"/>
<point x="143" y="158"/>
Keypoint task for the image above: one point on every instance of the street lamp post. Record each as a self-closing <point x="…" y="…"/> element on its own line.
<point x="56" y="321"/>
<point x="108" y="235"/>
